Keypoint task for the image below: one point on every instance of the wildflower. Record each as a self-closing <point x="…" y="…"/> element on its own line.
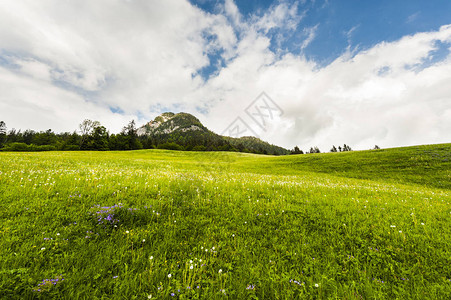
<point x="144" y="240"/>
<point x="151" y="257"/>
<point x="43" y="248"/>
<point x="169" y="275"/>
<point x="127" y="231"/>
<point x="172" y="294"/>
<point x="191" y="267"/>
<point x="220" y="271"/>
<point x="400" y="231"/>
<point x="149" y="296"/>
<point x="392" y="226"/>
<point x="422" y="223"/>
<point x="114" y="277"/>
<point x="316" y="285"/>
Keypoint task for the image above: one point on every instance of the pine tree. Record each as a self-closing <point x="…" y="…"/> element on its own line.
<point x="2" y="133"/>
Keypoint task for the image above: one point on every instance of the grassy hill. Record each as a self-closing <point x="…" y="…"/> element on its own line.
<point x="428" y="165"/>
<point x="221" y="225"/>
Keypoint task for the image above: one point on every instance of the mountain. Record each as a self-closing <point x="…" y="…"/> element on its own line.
<point x="183" y="131"/>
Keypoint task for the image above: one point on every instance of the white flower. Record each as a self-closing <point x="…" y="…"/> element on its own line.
<point x="191" y="267"/>
<point x="220" y="271"/>
<point x="191" y="261"/>
<point x="316" y="285"/>
<point x="43" y="248"/>
<point x="58" y="233"/>
<point x="151" y="257"/>
<point x="233" y="235"/>
<point x="127" y="231"/>
<point x="422" y="223"/>
<point x="149" y="297"/>
<point x="169" y="275"/>
<point x="392" y="226"/>
<point x="144" y="240"/>
<point x="200" y="260"/>
<point x="213" y="248"/>
<point x="400" y="231"/>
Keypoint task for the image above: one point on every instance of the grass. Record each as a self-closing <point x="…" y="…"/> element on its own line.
<point x="197" y="225"/>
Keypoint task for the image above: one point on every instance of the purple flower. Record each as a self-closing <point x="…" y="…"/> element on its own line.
<point x="114" y="277"/>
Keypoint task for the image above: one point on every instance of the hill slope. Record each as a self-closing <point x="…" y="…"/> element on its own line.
<point x="428" y="165"/>
<point x="188" y="133"/>
<point x="214" y="225"/>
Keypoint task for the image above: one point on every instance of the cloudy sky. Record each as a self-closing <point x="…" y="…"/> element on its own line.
<point x="333" y="71"/>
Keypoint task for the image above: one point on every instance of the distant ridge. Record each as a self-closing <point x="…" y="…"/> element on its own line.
<point x="183" y="131"/>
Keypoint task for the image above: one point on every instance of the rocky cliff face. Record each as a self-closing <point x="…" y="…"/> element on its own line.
<point x="168" y="122"/>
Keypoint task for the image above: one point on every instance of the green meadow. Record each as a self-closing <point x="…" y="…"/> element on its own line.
<point x="159" y="224"/>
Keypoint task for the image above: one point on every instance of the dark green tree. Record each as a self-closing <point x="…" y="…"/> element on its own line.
<point x="2" y="133"/>
<point x="296" y="150"/>
<point x="99" y="139"/>
<point x="130" y="132"/>
<point x="86" y="129"/>
<point x="314" y="150"/>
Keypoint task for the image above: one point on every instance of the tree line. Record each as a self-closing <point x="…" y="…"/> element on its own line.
<point x="91" y="135"/>
<point x="345" y="148"/>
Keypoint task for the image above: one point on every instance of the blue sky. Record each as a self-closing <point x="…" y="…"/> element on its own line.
<point x="354" y="72"/>
<point x="341" y="24"/>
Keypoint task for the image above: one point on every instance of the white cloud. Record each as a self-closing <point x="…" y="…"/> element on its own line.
<point x="310" y="32"/>
<point x="63" y="61"/>
<point x="412" y="17"/>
